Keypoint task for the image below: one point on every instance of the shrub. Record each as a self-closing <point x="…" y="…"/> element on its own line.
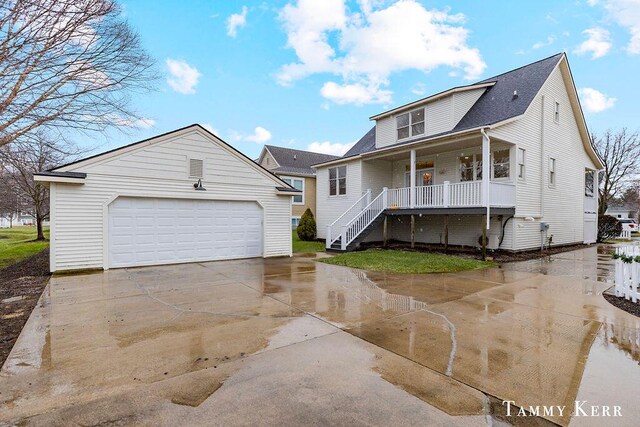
<point x="307" y="226"/>
<point x="608" y="228"/>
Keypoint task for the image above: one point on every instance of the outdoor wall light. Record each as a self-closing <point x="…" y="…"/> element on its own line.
<point x="198" y="186"/>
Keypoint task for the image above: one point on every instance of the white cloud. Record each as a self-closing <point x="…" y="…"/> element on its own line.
<point x="235" y="21"/>
<point x="595" y="101"/>
<point x="539" y="45"/>
<point x="260" y="135"/>
<point x="365" y="48"/>
<point x="184" y="77"/>
<point x="626" y="13"/>
<point x="419" y="89"/>
<point x="333" y="148"/>
<point x="210" y="128"/>
<point x="357" y="93"/>
<point x="139" y="123"/>
<point x="598" y="43"/>
<point x="593" y="2"/>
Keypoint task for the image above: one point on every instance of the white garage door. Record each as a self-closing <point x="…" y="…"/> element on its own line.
<point x="145" y="231"/>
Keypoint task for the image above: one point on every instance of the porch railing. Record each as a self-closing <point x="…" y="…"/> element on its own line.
<point x="451" y="195"/>
<point x="347" y="216"/>
<point x="457" y="195"/>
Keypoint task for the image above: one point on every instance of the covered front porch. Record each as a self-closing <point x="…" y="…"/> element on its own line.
<point x="431" y="178"/>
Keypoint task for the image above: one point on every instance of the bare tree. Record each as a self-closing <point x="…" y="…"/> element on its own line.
<point x="67" y="64"/>
<point x="22" y="159"/>
<point x="620" y="154"/>
<point x="9" y="200"/>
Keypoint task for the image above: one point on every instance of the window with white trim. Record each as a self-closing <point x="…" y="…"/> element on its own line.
<point x="295" y="221"/>
<point x="470" y="167"/>
<point x="589" y="183"/>
<point x="196" y="168"/>
<point x="338" y="181"/>
<point x="298" y="184"/>
<point x="521" y="160"/>
<point x="501" y="164"/>
<point x="552" y="171"/>
<point x="556" y="112"/>
<point x="410" y="124"/>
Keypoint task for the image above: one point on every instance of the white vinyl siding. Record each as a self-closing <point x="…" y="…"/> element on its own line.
<point x="440" y="115"/>
<point x="80" y="211"/>
<point x="463" y="101"/>
<point x="562" y="142"/>
<point x="329" y="208"/>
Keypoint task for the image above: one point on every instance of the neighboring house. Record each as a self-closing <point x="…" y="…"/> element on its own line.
<point x="623" y="211"/>
<point x="184" y="196"/>
<point x="294" y="167"/>
<point x="510" y="154"/>
<point x="18" y="220"/>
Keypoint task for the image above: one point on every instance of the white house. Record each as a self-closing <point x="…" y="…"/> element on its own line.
<point x="509" y="156"/>
<point x="622" y="211"/>
<point x="183" y="196"/>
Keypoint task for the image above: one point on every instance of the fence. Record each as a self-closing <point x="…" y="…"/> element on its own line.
<point x="627" y="272"/>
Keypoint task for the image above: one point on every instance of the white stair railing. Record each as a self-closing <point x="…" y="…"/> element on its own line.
<point x="361" y="221"/>
<point x="347" y="216"/>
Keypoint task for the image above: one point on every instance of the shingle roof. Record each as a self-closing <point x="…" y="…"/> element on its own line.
<point x="364" y="145"/>
<point x="297" y="161"/>
<point x="495" y="105"/>
<point x="498" y="103"/>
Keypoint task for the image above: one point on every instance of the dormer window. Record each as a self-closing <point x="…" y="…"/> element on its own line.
<point x="410" y="124"/>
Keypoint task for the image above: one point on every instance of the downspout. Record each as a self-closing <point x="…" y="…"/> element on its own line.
<point x="542" y="161"/>
<point x="486" y="172"/>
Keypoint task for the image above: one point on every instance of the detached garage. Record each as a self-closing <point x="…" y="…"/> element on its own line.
<point x="185" y="196"/>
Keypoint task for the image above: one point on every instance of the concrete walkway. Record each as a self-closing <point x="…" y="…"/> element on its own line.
<point x="292" y="341"/>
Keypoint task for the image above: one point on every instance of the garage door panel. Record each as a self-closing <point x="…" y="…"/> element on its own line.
<point x="145" y="231"/>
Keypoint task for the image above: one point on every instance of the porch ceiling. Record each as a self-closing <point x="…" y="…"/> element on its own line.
<point x="430" y="148"/>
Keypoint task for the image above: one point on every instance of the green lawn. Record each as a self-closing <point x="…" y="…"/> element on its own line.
<point x="18" y="243"/>
<point x="300" y="246"/>
<point x="405" y="262"/>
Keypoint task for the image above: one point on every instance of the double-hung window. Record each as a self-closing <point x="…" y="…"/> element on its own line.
<point x="501" y="164"/>
<point x="552" y="172"/>
<point x="338" y="181"/>
<point x="589" y="183"/>
<point x="298" y="184"/>
<point x="521" y="159"/>
<point x="410" y="124"/>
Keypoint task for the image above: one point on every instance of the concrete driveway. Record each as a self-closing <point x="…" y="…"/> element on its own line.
<point x="292" y="341"/>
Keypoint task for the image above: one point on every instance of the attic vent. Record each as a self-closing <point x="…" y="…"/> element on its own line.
<point x="195" y="168"/>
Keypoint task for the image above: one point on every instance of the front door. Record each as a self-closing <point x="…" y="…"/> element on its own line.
<point x="424" y="177"/>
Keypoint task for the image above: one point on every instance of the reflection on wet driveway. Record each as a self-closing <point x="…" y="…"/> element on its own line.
<point x="295" y="341"/>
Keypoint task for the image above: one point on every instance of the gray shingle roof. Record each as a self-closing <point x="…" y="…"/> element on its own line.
<point x="297" y="161"/>
<point x="497" y="104"/>
<point x="364" y="145"/>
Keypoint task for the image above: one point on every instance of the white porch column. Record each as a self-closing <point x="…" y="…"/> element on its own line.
<point x="412" y="179"/>
<point x="486" y="172"/>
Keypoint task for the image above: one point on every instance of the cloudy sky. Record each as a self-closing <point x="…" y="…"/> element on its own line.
<point x="309" y="73"/>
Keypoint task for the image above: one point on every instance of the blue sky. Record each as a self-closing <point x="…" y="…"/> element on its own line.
<point x="308" y="74"/>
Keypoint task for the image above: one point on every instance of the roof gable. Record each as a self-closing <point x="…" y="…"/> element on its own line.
<point x="296" y="161"/>
<point x="111" y="155"/>
<point x="511" y="96"/>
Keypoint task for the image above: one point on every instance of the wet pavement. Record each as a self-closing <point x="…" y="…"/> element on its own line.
<point x="292" y="341"/>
